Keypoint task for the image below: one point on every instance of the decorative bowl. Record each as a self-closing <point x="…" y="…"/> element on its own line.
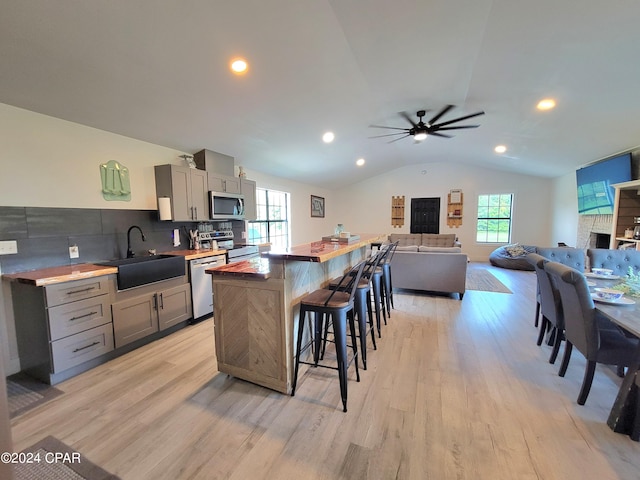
<point x="602" y="271"/>
<point x="609" y="293"/>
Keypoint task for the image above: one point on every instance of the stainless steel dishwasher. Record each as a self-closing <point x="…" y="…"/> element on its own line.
<point x="201" y="291"/>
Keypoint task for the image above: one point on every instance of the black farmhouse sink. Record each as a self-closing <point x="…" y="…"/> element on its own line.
<point x="136" y="271"/>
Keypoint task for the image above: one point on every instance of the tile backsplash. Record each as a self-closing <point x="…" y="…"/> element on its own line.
<point x="44" y="235"/>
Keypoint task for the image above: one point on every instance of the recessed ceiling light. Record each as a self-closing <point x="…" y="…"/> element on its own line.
<point x="546" y="104"/>
<point x="360" y="162"/>
<point x="239" y="66"/>
<point x="500" y="149"/>
<point x="328" y="137"/>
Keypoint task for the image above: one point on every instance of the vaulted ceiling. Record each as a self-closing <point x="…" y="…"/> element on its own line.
<point x="157" y="70"/>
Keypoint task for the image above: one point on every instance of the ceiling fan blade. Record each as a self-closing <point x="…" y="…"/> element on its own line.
<point x="406" y="115"/>
<point x="387" y="135"/>
<point x="455" y="128"/>
<point x="436" y="134"/>
<point x="459" y="119"/>
<point x="407" y="135"/>
<point x="392" y="128"/>
<point x="439" y="114"/>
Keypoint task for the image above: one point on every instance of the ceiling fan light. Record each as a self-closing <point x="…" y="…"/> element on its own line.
<point x="420" y="136"/>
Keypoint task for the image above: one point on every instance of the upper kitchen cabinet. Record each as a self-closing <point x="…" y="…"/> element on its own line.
<point x="223" y="183"/>
<point x="248" y="190"/>
<point x="188" y="190"/>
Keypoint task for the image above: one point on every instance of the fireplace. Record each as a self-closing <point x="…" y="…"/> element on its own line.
<point x="601" y="240"/>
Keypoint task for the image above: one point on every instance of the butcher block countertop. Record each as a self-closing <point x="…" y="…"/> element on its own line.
<point x="323" y="251"/>
<point x="257" y="268"/>
<point x="66" y="273"/>
<point x="194" y="254"/>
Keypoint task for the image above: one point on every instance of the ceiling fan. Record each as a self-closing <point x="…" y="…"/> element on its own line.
<point x="419" y="130"/>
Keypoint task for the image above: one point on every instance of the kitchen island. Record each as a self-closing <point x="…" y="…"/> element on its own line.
<point x="257" y="303"/>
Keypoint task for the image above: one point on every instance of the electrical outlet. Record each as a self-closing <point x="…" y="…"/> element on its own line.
<point x="74" y="252"/>
<point x="8" y="247"/>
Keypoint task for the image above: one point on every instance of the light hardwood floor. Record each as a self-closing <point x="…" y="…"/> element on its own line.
<point x="456" y="390"/>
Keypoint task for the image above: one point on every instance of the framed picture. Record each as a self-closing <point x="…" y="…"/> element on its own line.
<point x="317" y="206"/>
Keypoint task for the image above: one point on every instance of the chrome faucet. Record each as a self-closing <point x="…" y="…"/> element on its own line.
<point x="130" y="253"/>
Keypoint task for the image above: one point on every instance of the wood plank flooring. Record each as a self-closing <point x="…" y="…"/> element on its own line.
<point x="456" y="390"/>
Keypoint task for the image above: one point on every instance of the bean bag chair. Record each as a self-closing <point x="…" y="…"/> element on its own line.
<point x="513" y="257"/>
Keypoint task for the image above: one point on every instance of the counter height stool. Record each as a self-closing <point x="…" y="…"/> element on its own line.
<point x="339" y="306"/>
<point x="362" y="304"/>
<point x="386" y="276"/>
<point x="380" y="292"/>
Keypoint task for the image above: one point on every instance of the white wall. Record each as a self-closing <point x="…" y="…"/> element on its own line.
<point x="54" y="163"/>
<point x="565" y="210"/>
<point x="304" y="229"/>
<point x="366" y="206"/>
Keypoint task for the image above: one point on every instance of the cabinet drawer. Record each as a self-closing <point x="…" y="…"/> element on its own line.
<point x="76" y="349"/>
<point x="76" y="317"/>
<point x="66" y="292"/>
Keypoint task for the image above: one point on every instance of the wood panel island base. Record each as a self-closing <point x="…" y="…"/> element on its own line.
<point x="256" y="305"/>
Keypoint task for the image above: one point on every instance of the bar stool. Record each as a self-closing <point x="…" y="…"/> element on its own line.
<point x="379" y="291"/>
<point x="362" y="305"/>
<point x="386" y="277"/>
<point x="339" y="306"/>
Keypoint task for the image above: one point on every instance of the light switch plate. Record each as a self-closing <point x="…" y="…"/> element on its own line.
<point x="8" y="247"/>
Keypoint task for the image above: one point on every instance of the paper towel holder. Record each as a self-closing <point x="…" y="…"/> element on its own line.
<point x="164" y="208"/>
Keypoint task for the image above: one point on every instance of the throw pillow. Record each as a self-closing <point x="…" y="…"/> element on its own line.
<point x="515" y="250"/>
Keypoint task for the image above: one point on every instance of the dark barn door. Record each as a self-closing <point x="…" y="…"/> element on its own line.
<point x="425" y="215"/>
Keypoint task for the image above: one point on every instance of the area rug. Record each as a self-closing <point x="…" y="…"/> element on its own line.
<point x="484" y="280"/>
<point x="57" y="461"/>
<point x="25" y="393"/>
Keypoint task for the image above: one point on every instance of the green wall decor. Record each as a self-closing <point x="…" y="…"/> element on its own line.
<point x="115" y="181"/>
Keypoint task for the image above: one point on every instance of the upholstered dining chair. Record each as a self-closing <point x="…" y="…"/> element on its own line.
<point x="550" y="306"/>
<point x="582" y="327"/>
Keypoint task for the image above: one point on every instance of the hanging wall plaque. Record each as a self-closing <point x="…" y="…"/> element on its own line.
<point x="115" y="181"/>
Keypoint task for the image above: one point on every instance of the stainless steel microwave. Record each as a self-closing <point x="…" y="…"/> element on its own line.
<point x="226" y="206"/>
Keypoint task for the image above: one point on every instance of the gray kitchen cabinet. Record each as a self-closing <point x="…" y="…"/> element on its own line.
<point x="63" y="327"/>
<point x="174" y="306"/>
<point x="146" y="310"/>
<point x="188" y="190"/>
<point x="248" y="189"/>
<point x="223" y="183"/>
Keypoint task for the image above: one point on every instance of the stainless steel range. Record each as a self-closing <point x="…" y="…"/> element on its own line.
<point x="236" y="252"/>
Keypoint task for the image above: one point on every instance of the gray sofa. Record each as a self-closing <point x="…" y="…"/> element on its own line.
<point x="429" y="262"/>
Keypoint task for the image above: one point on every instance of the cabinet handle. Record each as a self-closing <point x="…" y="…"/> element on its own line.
<point x="155" y="301"/>
<point x="196" y="213"/>
<point x="82" y="316"/>
<point x="161" y="302"/>
<point x="71" y="292"/>
<point x="88" y="346"/>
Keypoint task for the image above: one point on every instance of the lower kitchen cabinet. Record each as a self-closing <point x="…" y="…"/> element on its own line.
<point x="147" y="312"/>
<point x="77" y="349"/>
<point x="66" y="328"/>
<point x="62" y="326"/>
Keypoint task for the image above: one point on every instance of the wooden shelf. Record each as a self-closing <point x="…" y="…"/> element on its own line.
<point x="454" y="211"/>
<point x="397" y="211"/>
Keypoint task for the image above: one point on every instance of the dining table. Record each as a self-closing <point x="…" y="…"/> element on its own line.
<point x="624" y="416"/>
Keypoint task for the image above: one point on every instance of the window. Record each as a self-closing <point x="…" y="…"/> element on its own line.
<point x="272" y="224"/>
<point x="494" y="218"/>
